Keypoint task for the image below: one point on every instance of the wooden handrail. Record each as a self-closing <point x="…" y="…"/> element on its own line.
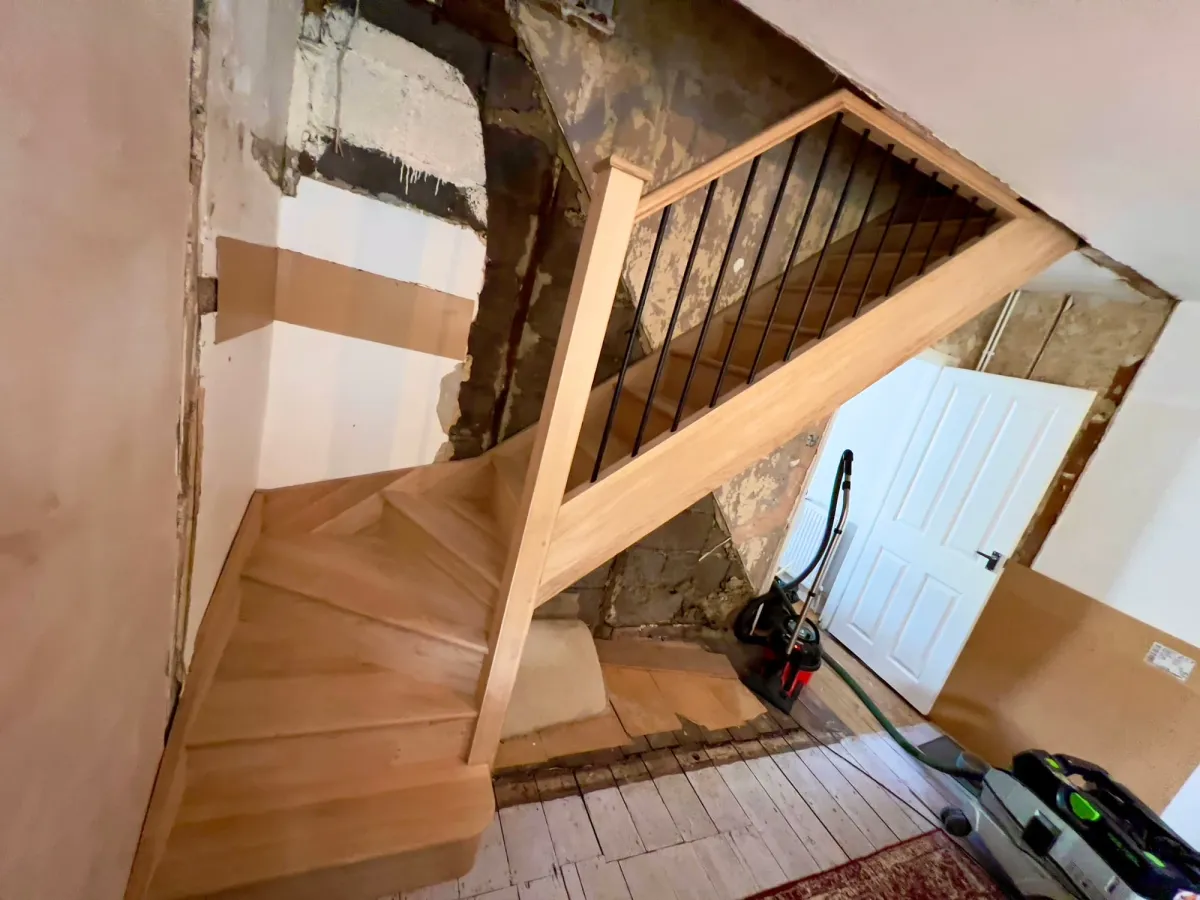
<point x="740" y="155"/>
<point x="589" y="304"/>
<point x="934" y="153"/>
<point x="885" y="128"/>
<point x="599" y="520"/>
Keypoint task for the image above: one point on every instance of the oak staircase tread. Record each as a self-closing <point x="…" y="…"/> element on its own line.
<point x="371" y="841"/>
<point x="777" y="326"/>
<point x="710" y="362"/>
<point x="462" y="528"/>
<point x="666" y="406"/>
<point x="247" y="709"/>
<point x="370" y="578"/>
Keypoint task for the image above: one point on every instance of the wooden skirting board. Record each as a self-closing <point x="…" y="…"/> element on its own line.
<point x="211" y="638"/>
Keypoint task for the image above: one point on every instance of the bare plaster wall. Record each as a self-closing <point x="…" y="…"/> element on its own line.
<point x="250" y="51"/>
<point x="97" y="203"/>
<point x="677" y="84"/>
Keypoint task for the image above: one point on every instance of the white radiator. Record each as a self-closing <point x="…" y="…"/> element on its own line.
<point x="803" y="540"/>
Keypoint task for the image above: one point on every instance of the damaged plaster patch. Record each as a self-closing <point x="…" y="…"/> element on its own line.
<point x="396" y="99"/>
<point x="447" y="405"/>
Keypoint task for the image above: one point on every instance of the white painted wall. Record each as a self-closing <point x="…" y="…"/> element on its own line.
<point x="1183" y="813"/>
<point x="398" y="242"/>
<point x="1128" y="533"/>
<point x="251" y="53"/>
<point x="340" y="406"/>
<point x="233" y="377"/>
<point x="1084" y="108"/>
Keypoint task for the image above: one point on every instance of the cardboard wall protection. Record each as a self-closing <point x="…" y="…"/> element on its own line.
<point x="258" y="285"/>
<point x="1049" y="667"/>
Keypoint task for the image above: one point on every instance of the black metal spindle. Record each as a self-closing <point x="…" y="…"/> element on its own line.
<point x="992" y="215"/>
<point x="829" y="238"/>
<point x="962" y="226"/>
<point x="862" y="220"/>
<point x="808" y="209"/>
<point x="712" y="302"/>
<point x="909" y="177"/>
<point x="938" y="230"/>
<point x="663" y="223"/>
<point x="912" y="231"/>
<point x="758" y="261"/>
<point x="666" y="346"/>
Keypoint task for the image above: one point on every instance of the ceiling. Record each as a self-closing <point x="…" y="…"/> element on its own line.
<point x="1088" y="108"/>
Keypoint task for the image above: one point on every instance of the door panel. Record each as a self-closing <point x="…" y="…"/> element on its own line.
<point x="887" y="571"/>
<point x="978" y="464"/>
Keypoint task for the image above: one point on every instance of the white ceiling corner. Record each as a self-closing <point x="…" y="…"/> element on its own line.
<point x="1088" y="108"/>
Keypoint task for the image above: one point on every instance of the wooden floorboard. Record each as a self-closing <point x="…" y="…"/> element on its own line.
<point x="717" y="824"/>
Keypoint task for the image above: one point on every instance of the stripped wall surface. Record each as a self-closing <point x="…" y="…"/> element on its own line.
<point x="677" y="84"/>
<point x="364" y="95"/>
<point x="249" y="88"/>
<point x="250" y="49"/>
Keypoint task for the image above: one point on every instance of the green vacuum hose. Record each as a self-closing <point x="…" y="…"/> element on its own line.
<point x="905" y="744"/>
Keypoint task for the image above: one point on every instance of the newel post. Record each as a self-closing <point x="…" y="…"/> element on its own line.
<point x="598" y="268"/>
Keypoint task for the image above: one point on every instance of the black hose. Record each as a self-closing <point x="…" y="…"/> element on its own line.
<point x="843" y="473"/>
<point x="904" y="743"/>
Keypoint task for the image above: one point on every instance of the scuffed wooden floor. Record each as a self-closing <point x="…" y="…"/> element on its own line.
<point x="714" y="823"/>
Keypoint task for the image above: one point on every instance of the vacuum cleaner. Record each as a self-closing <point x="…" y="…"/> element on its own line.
<point x="1053" y="827"/>
<point x="778" y="620"/>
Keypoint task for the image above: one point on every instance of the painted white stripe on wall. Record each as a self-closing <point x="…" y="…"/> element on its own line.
<point x="398" y="242"/>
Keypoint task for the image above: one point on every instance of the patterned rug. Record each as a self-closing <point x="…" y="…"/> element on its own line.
<point x="929" y="867"/>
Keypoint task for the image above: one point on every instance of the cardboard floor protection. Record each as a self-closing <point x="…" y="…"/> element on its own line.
<point x="650" y="685"/>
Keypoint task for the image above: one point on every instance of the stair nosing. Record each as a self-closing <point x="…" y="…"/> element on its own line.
<point x="441" y="695"/>
<point x="349" y="729"/>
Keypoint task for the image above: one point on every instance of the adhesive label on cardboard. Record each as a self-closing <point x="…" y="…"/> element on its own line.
<point x="1171" y="661"/>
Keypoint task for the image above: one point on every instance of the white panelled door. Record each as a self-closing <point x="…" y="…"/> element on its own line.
<point x="982" y="455"/>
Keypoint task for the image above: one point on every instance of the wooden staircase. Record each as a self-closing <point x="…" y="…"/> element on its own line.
<point x="325" y="755"/>
<point x="354" y="666"/>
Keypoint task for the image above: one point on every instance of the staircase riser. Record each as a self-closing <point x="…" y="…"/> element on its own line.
<point x="232" y="779"/>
